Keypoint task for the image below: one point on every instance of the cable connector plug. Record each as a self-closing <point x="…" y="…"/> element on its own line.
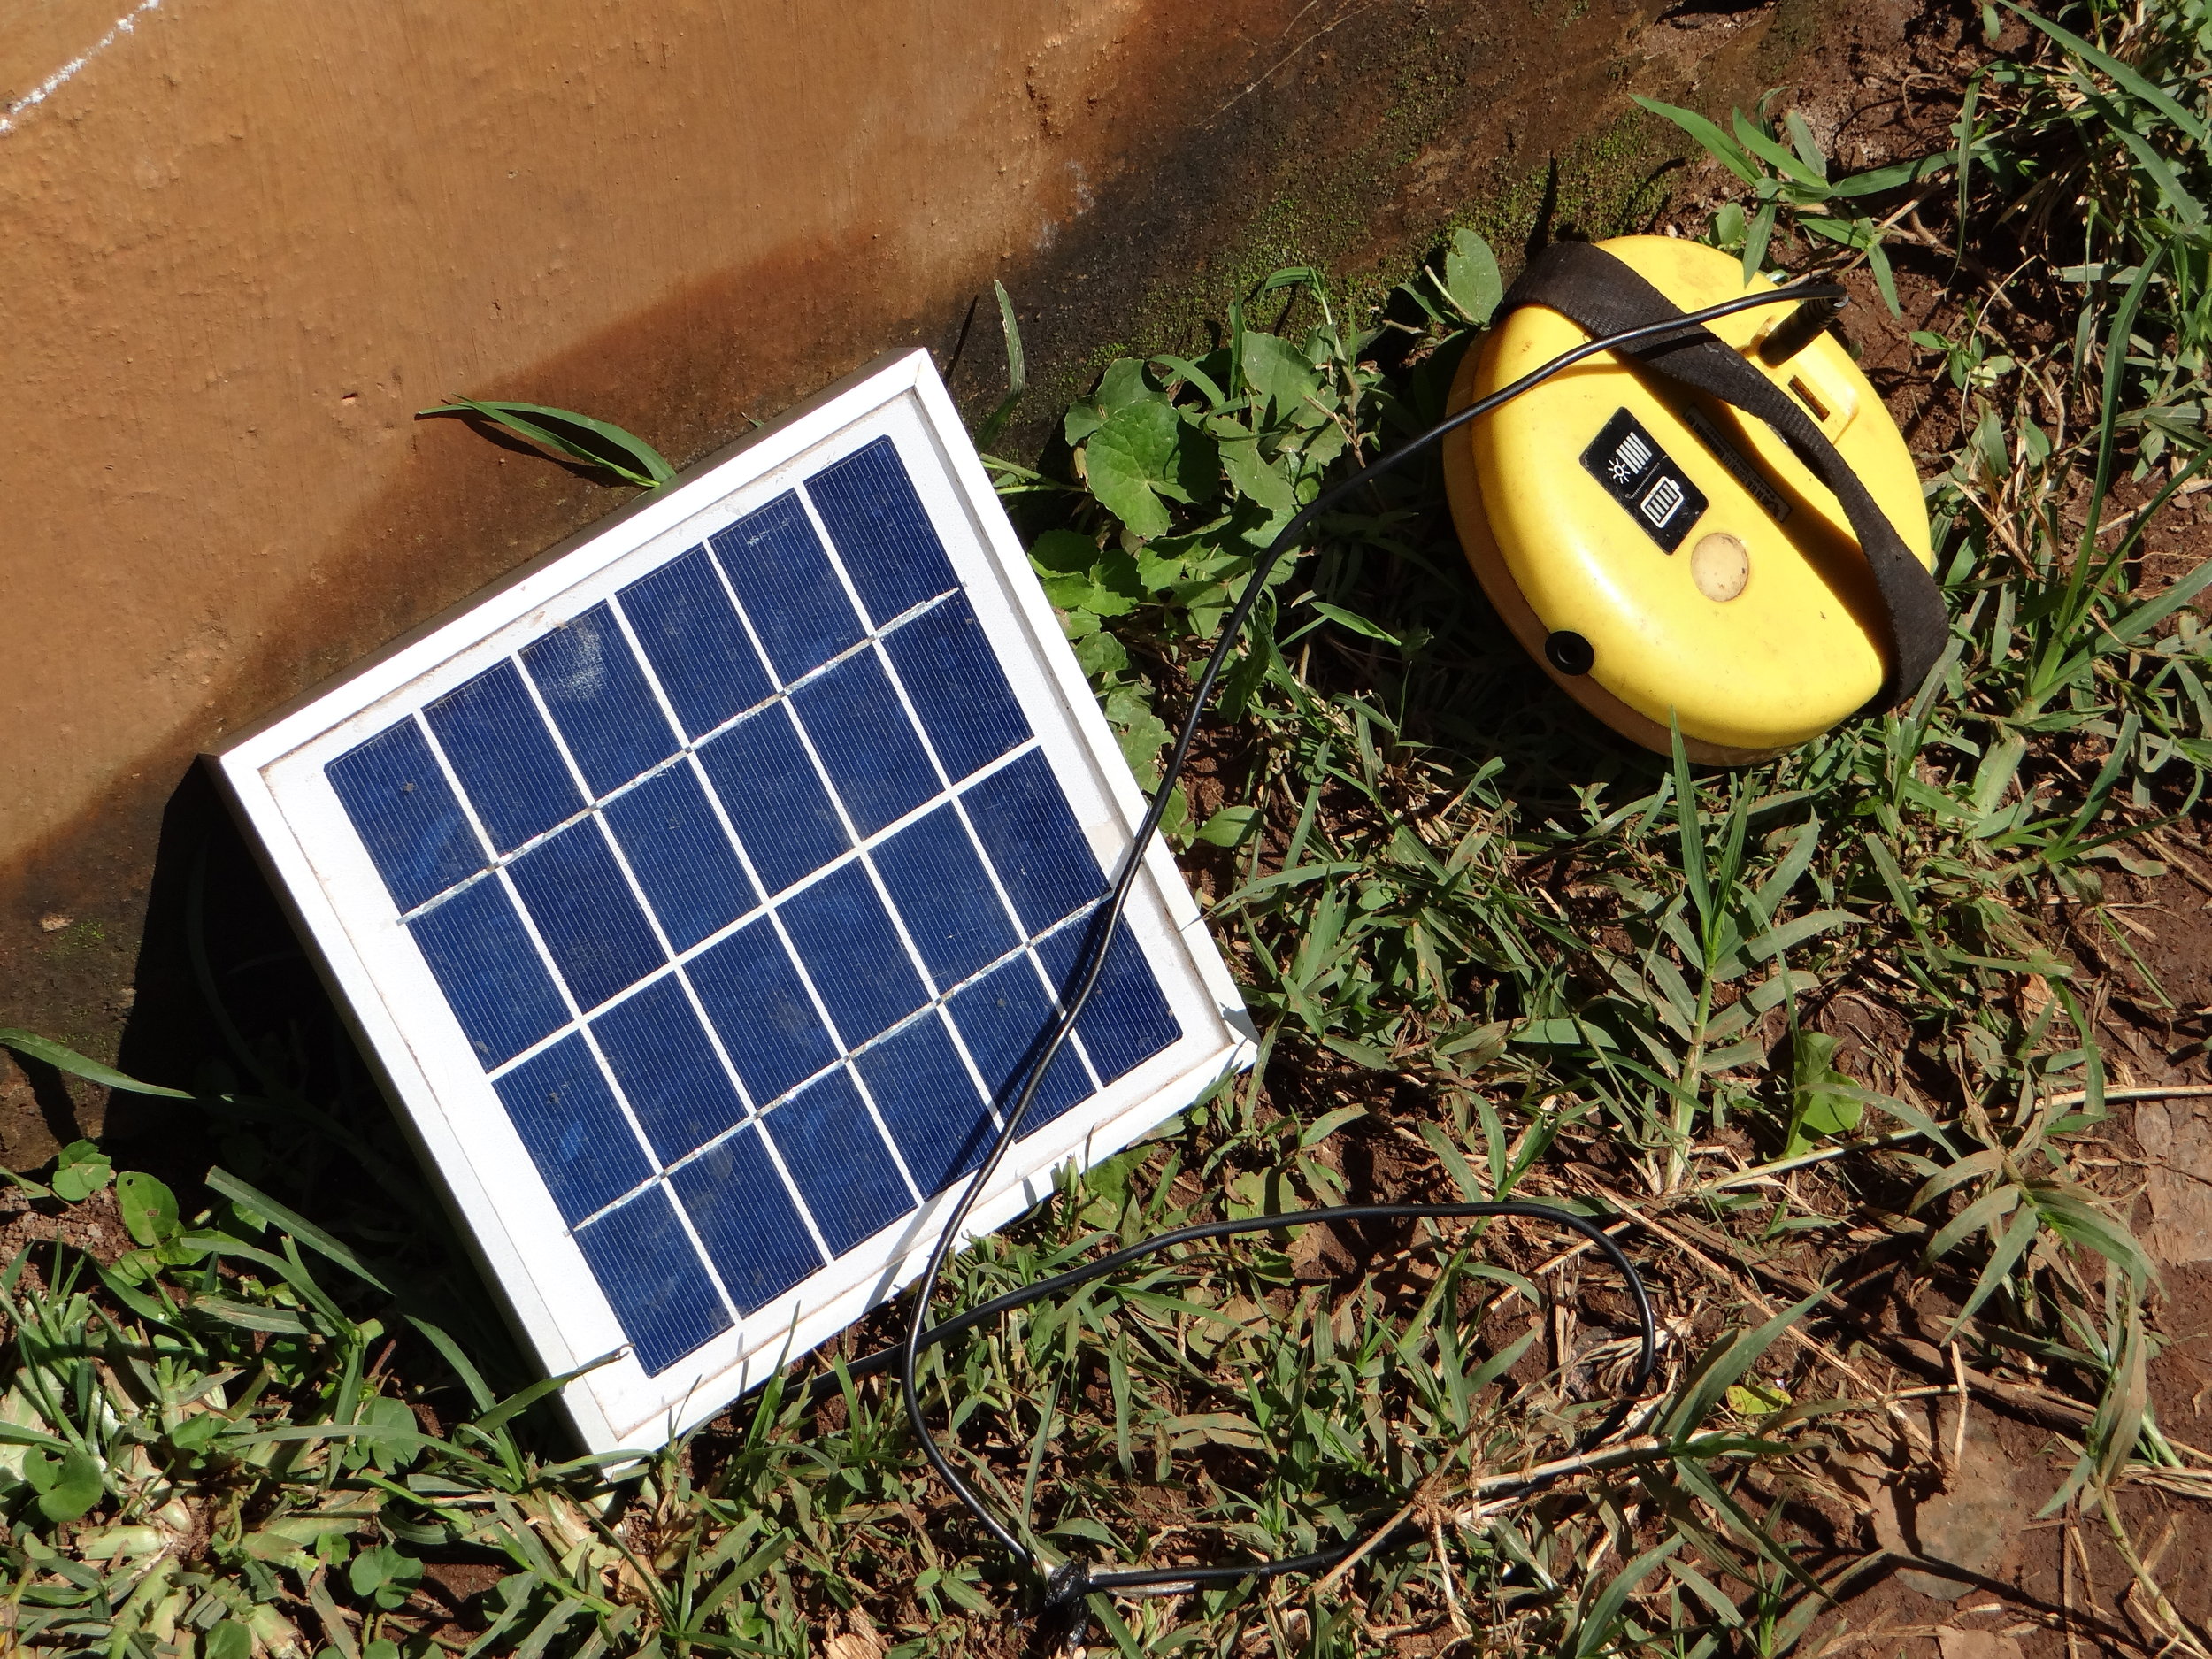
<point x="1063" y="1619"/>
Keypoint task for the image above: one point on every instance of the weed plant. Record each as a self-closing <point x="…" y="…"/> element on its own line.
<point x="1796" y="1031"/>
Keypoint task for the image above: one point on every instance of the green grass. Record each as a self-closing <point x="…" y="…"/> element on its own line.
<point x="1491" y="952"/>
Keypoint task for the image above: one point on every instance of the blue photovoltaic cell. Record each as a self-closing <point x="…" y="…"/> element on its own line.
<point x="783" y="579"/>
<point x="1126" y="1020"/>
<point x="406" y="813"/>
<point x="561" y="1105"/>
<point x="843" y="1170"/>
<point x="957" y="687"/>
<point x="774" y="797"/>
<point x="944" y="896"/>
<point x="928" y="1102"/>
<point x="667" y="1068"/>
<point x="695" y="642"/>
<point x="1033" y="841"/>
<point x="681" y="856"/>
<point x="761" y="1010"/>
<point x="503" y="757"/>
<point x="747" y="1220"/>
<point x="591" y="925"/>
<point x="866" y="742"/>
<point x="841" y="932"/>
<point x="491" y="974"/>
<point x="645" y="1263"/>
<point x="597" y="695"/>
<point x="1002" y="1018"/>
<point x="876" y="521"/>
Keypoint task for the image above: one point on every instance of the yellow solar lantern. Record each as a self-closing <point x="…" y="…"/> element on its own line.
<point x="1657" y="544"/>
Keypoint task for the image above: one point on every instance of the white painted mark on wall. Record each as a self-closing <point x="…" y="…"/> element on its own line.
<point x="46" y="88"/>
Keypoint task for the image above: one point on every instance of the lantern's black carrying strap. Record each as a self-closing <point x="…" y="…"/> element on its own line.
<point x="1600" y="295"/>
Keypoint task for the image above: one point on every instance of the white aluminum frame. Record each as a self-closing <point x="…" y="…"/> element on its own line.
<point x="274" y="775"/>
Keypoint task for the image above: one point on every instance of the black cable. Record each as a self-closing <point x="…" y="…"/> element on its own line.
<point x="1066" y="1584"/>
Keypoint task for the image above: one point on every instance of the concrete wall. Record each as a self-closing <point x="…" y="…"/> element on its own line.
<point x="243" y="242"/>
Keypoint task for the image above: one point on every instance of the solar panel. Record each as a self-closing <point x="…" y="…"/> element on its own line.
<point x="702" y="892"/>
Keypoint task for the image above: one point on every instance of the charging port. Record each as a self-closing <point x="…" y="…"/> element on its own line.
<point x="1805" y="396"/>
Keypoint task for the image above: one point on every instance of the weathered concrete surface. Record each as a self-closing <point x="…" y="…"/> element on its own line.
<point x="243" y="243"/>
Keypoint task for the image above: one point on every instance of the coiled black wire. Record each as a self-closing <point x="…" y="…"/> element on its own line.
<point x="1066" y="1584"/>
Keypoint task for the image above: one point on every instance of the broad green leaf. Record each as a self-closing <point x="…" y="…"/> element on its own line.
<point x="64" y="1059"/>
<point x="1123" y="385"/>
<point x="1823" y="1101"/>
<point x="1756" y="1399"/>
<point x="1230" y="826"/>
<point x="1141" y="454"/>
<point x="1064" y="552"/>
<point x="68" y="1485"/>
<point x="80" y="1171"/>
<point x="1249" y="473"/>
<point x="149" y="1209"/>
<point x="1279" y="372"/>
<point x="385" y="1575"/>
<point x="229" y="1640"/>
<point x="1729" y="227"/>
<point x="1470" y="278"/>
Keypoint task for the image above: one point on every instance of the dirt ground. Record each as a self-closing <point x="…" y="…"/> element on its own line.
<point x="2022" y="1584"/>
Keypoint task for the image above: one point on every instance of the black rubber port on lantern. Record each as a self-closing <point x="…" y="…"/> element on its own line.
<point x="1569" y="652"/>
<point x="1798" y="330"/>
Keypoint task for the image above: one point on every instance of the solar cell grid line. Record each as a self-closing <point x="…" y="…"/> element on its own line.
<point x="703" y="655"/>
<point x="617" y="1292"/>
<point x="1023" y="930"/>
<point x="872" y="643"/>
<point x="800" y="958"/>
<point x="591" y="684"/>
<point x="916" y="728"/>
<point x="1021" y="926"/>
<point x="799" y="965"/>
<point x="695" y="1010"/>
<point x="881" y="465"/>
<point x="586" y="793"/>
<point x="422" y="839"/>
<point x="866" y="500"/>
<point x="501" y="750"/>
<point x="1024" y="945"/>
<point x="651" y="676"/>
<point x="801" y="611"/>
<point x="656" y="1179"/>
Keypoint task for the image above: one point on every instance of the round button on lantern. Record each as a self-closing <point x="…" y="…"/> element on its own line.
<point x="1701" y="569"/>
<point x="1720" y="565"/>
